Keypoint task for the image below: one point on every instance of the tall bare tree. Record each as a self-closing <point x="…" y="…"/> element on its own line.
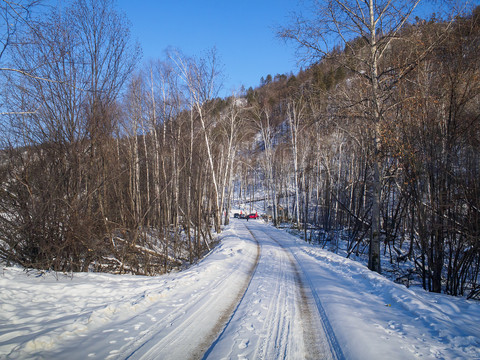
<point x="230" y="125"/>
<point x="366" y="31"/>
<point x="261" y="117"/>
<point x="202" y="78"/>
<point x="296" y="109"/>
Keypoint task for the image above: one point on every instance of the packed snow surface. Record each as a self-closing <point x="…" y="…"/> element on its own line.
<point x="261" y="293"/>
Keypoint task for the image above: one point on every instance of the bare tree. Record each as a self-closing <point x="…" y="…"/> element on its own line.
<point x="261" y="116"/>
<point x="230" y="126"/>
<point x="296" y="109"/>
<point x="366" y="31"/>
<point x="201" y="76"/>
<point x="77" y="60"/>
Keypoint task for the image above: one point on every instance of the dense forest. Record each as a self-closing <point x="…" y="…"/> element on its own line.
<point x="105" y="166"/>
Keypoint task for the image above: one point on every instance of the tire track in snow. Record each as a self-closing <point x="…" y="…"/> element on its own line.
<point x="275" y="319"/>
<point x="314" y="341"/>
<point x="309" y="292"/>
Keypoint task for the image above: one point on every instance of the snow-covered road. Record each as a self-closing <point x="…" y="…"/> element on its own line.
<point x="260" y="294"/>
<point x="276" y="318"/>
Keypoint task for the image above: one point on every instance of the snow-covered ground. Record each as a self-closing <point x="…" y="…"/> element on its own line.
<point x="261" y="293"/>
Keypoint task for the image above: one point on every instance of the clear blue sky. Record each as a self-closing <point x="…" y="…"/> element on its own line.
<point x="243" y="32"/>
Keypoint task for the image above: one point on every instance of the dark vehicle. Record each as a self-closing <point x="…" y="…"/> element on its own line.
<point x="236" y="215"/>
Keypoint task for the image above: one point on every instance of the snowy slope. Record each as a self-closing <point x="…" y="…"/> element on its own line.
<point x="374" y="318"/>
<point x="271" y="290"/>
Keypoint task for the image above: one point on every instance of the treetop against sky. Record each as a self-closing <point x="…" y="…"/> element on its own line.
<point x="243" y="32"/>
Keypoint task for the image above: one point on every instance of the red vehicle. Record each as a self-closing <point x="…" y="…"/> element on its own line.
<point x="253" y="216"/>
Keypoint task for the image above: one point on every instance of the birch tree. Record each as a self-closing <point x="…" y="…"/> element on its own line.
<point x="231" y="124"/>
<point x="201" y="77"/>
<point x="295" y="113"/>
<point x="261" y="113"/>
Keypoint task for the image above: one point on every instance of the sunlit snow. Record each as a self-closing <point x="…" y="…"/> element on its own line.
<point x="183" y="315"/>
